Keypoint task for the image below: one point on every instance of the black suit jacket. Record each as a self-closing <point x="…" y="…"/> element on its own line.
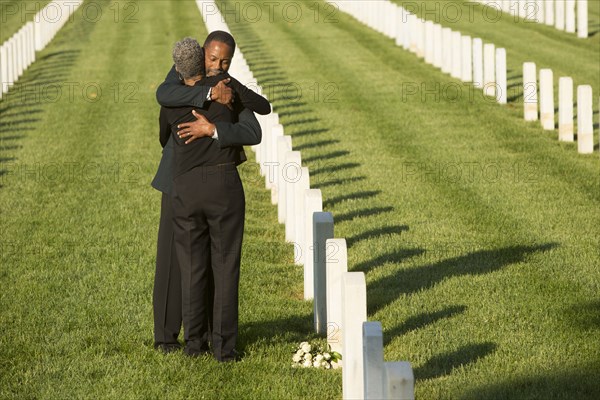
<point x="232" y="134"/>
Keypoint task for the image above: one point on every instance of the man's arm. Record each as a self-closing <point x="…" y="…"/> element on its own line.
<point x="172" y="93"/>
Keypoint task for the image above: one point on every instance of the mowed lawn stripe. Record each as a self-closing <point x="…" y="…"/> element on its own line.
<point x="442" y="253"/>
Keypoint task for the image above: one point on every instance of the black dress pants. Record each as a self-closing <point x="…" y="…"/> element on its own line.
<point x="167" y="281"/>
<point x="208" y="211"/>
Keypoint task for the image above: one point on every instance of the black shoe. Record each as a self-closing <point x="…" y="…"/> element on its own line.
<point x="193" y="350"/>
<point x="167" y="348"/>
<point x="234" y="357"/>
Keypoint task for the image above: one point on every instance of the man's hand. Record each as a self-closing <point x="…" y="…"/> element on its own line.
<point x="197" y="129"/>
<point x="221" y="93"/>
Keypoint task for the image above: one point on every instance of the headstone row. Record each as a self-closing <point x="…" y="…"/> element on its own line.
<point x="340" y="297"/>
<point x="546" y="114"/>
<point x="464" y="58"/>
<point x="564" y="15"/>
<point x="18" y="52"/>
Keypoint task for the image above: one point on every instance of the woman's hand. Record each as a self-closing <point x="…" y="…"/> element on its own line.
<point x="197" y="129"/>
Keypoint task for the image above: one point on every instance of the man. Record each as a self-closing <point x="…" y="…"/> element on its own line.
<point x="219" y="47"/>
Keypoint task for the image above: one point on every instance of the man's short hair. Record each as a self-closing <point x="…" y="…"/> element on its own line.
<point x="220" y="36"/>
<point x="188" y="57"/>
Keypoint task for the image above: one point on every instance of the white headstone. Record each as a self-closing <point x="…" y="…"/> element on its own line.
<point x="322" y="231"/>
<point x="559" y="16"/>
<point x="530" y="97"/>
<point x="585" y="120"/>
<point x="447" y="50"/>
<point x="489" y="70"/>
<point x="354" y="313"/>
<point x="300" y="235"/>
<point x="399" y="26"/>
<point x="438" y="55"/>
<point x="456" y="55"/>
<point x="547" y="99"/>
<point x="373" y="360"/>
<point x="582" y="19"/>
<point x="565" y="110"/>
<point x="501" y="83"/>
<point x="336" y="262"/>
<point x="272" y="169"/>
<point x="429" y="50"/>
<point x="570" y="16"/>
<point x="539" y="11"/>
<point x="467" y="59"/>
<point x="3" y="69"/>
<point x="398" y="381"/>
<point x="420" y="32"/>
<point x="478" y="63"/>
<point x="313" y="202"/>
<point x="549" y="12"/>
<point x="284" y="145"/>
<point x="292" y="172"/>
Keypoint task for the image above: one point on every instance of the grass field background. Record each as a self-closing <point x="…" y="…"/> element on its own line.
<point x="478" y="233"/>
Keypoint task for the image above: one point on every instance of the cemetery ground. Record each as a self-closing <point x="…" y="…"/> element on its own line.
<point x="478" y="233"/>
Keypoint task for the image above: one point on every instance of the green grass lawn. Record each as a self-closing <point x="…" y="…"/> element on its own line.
<point x="478" y="232"/>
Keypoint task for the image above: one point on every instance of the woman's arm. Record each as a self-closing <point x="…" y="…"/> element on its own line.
<point x="164" y="127"/>
<point x="173" y="93"/>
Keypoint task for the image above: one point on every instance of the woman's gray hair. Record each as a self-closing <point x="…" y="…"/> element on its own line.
<point x="188" y="56"/>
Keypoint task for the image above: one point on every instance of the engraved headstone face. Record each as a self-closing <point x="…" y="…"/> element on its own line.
<point x="354" y="313"/>
<point x="547" y="99"/>
<point x="530" y="97"/>
<point x="336" y="264"/>
<point x="585" y="120"/>
<point x="565" y="110"/>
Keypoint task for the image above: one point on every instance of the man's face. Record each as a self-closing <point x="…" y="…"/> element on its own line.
<point x="217" y="58"/>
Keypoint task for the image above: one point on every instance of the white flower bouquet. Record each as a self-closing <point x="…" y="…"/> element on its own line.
<point x="315" y="355"/>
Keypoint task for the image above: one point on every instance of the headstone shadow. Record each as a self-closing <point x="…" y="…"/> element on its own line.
<point x="386" y="290"/>
<point x="443" y="364"/>
<point x="421" y="321"/>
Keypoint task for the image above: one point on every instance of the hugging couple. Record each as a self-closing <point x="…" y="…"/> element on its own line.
<point x="206" y="118"/>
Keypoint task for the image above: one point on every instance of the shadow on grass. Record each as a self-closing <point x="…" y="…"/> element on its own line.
<point x="395" y="257"/>
<point x="405" y="281"/>
<point x="351" y="196"/>
<point x="421" y="321"/>
<point x="375" y="233"/>
<point x="443" y="364"/>
<point x="568" y="383"/>
<point x="291" y="329"/>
